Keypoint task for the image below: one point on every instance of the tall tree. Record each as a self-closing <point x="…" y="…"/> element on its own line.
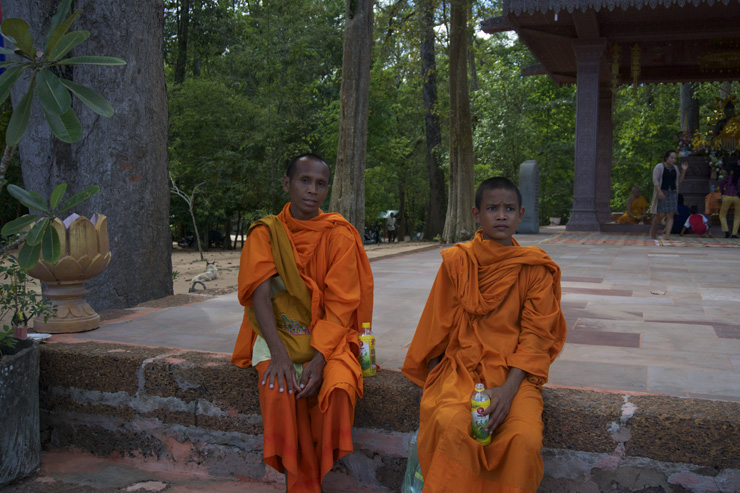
<point x="435" y="211"/>
<point x="459" y="224"/>
<point x="348" y="193"/>
<point x="125" y="155"/>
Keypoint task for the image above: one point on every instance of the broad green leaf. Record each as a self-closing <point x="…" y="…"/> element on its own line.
<point x="92" y="99"/>
<point x="19" y="31"/>
<point x="79" y="197"/>
<point x="7" y="51"/>
<point x="29" y="256"/>
<point x="7" y="79"/>
<point x="17" y="225"/>
<point x="38" y="198"/>
<point x="67" y="43"/>
<point x="59" y="31"/>
<point x="57" y="194"/>
<point x="51" y="248"/>
<point x="66" y="127"/>
<point x="8" y="64"/>
<point x="54" y="97"/>
<point x="92" y="60"/>
<point x="27" y="198"/>
<point x="19" y="120"/>
<point x="37" y="232"/>
<point x="62" y="10"/>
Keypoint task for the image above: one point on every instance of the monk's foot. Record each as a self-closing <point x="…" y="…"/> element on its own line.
<point x="667" y="237"/>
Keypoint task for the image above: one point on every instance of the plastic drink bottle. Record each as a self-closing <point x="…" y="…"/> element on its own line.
<point x="367" y="351"/>
<point x="478" y="403"/>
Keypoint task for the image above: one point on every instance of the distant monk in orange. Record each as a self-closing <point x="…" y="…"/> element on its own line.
<point x="307" y="287"/>
<point x="635" y="208"/>
<point x="493" y="317"/>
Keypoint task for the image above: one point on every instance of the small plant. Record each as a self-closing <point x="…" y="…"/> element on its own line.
<point x="42" y="239"/>
<point x="175" y="274"/>
<point x="18" y="304"/>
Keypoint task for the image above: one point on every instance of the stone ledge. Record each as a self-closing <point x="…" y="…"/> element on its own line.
<point x="197" y="410"/>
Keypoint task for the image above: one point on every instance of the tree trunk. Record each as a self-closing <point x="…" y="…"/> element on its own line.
<point x="689" y="108"/>
<point x="471" y="50"/>
<point x="183" y="21"/>
<point x="125" y="155"/>
<point x="459" y="224"/>
<point x="435" y="210"/>
<point x="348" y="190"/>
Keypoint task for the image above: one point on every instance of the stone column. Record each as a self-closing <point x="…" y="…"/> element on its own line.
<point x="588" y="57"/>
<point x="604" y="158"/>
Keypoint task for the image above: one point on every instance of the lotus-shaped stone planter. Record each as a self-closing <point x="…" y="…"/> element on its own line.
<point x="85" y="254"/>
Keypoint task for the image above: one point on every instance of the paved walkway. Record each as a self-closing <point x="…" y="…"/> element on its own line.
<point x="641" y="317"/>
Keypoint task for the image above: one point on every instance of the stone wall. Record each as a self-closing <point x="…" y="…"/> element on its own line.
<point x="194" y="411"/>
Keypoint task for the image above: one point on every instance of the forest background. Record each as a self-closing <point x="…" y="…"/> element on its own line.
<point x="252" y="83"/>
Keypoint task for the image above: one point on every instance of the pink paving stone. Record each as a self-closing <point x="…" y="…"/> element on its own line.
<point x="581" y="279"/>
<point x="602" y="292"/>
<point x="727" y="331"/>
<point x="603" y="338"/>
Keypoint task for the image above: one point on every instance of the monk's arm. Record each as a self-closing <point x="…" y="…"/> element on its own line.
<point x="501" y="398"/>
<point x="628" y="206"/>
<point x="281" y="366"/>
<point x="432" y="333"/>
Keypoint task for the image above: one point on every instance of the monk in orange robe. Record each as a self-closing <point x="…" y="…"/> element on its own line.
<point x="493" y="317"/>
<point x="307" y="406"/>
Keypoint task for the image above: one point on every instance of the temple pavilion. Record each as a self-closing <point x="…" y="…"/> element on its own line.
<point x="601" y="44"/>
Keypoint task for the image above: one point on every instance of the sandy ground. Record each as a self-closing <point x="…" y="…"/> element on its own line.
<point x="186" y="264"/>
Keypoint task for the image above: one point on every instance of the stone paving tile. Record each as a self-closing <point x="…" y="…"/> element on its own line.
<point x="597" y="291"/>
<point x="593" y="280"/>
<point x="598" y="375"/>
<point x="603" y="338"/>
<point x="727" y="331"/>
<point x="717" y="383"/>
<point x="686" y="359"/>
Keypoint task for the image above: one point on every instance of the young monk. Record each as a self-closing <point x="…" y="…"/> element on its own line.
<point x="493" y="317"/>
<point x="306" y="283"/>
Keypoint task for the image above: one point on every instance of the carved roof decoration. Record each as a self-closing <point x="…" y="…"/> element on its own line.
<point x="544" y="6"/>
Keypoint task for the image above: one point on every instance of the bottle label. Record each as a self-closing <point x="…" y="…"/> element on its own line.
<point x="367" y="355"/>
<point x="479" y="421"/>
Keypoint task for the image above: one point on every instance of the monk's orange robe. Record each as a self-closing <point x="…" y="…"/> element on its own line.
<point x="304" y="437"/>
<point x="491" y="308"/>
<point x="638" y="208"/>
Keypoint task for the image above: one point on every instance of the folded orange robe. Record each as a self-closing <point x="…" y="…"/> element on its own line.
<point x="491" y="308"/>
<point x="304" y="437"/>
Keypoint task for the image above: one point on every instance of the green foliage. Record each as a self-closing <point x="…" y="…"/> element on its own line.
<point x="521" y="118"/>
<point x="54" y="93"/>
<point x="644" y="126"/>
<point x="42" y="239"/>
<point x="275" y="66"/>
<point x="17" y="302"/>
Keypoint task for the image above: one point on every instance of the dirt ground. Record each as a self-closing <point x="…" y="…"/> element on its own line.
<point x="186" y="264"/>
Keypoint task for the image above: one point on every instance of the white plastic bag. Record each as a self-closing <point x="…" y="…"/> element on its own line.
<point x="413" y="481"/>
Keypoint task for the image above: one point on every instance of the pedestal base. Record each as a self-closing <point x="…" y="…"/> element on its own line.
<point x="73" y="313"/>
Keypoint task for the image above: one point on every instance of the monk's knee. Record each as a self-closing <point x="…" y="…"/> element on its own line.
<point x="527" y="441"/>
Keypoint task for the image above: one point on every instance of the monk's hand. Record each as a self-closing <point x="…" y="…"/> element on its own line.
<point x="280" y="371"/>
<point x="661" y="196"/>
<point x="313" y="376"/>
<point x="501" y="398"/>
